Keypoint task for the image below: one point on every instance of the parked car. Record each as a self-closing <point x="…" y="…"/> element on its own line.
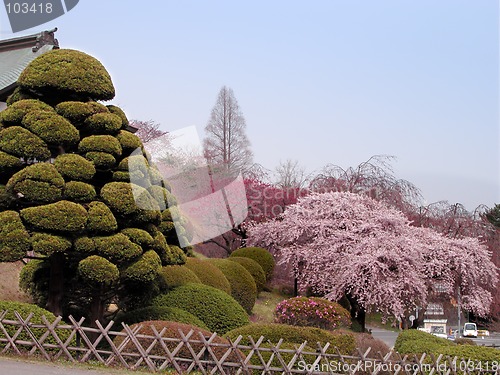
<point x="470" y="330"/>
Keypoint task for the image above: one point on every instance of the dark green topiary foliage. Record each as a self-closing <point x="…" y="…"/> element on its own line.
<point x="50" y="77"/>
<point x="99" y="239"/>
<point x="209" y="274"/>
<point x="260" y="255"/>
<point x="255" y="270"/>
<point x="218" y="310"/>
<point x="172" y="314"/>
<point x="243" y="288"/>
<point x="173" y="276"/>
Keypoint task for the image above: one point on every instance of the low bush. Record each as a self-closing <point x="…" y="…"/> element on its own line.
<point x="418" y="342"/>
<point x="365" y="341"/>
<point x="171" y="329"/>
<point x="243" y="288"/>
<point x="312" y="312"/>
<point x="174" y="276"/>
<point x="24" y="309"/>
<point x="209" y="274"/>
<point x="260" y="255"/>
<point x="343" y="340"/>
<point x="172" y="314"/>
<point x="258" y="274"/>
<point x="218" y="310"/>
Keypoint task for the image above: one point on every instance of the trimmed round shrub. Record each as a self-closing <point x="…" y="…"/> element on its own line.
<point x="143" y="270"/>
<point x="97" y="270"/>
<point x="171" y="329"/>
<point x="23" y="143"/>
<point x="51" y="128"/>
<point x="100" y="143"/>
<point x="49" y="75"/>
<point x="24" y="309"/>
<point x="209" y="274"/>
<point x="218" y="310"/>
<point x="260" y="255"/>
<point x="100" y="218"/>
<point x="39" y="182"/>
<point x="102" y="160"/>
<point x="168" y="254"/>
<point x="14" y="113"/>
<point x="128" y="141"/>
<point x="119" y="112"/>
<point x="47" y="244"/>
<point x="14" y="239"/>
<point x="243" y="287"/>
<point x="79" y="191"/>
<point x="103" y="123"/>
<point x="77" y="112"/>
<point x="258" y="274"/>
<point x="74" y="167"/>
<point x="139" y="236"/>
<point x="171" y="314"/>
<point x="63" y="216"/>
<point x="117" y="248"/>
<point x="344" y="341"/>
<point x="312" y="312"/>
<point x="8" y="162"/>
<point x="123" y="201"/>
<point x="18" y="95"/>
<point x="174" y="276"/>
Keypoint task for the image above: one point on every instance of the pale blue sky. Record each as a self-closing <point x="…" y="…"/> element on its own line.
<point x="318" y="81"/>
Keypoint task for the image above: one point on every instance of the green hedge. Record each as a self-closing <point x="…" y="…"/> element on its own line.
<point x="49" y="75"/>
<point x="343" y="340"/>
<point x="74" y="167"/>
<point x="24" y="309"/>
<point x="51" y="128"/>
<point x="418" y="342"/>
<point x="171" y="314"/>
<point x="255" y="270"/>
<point x="63" y="216"/>
<point x="209" y="274"/>
<point x="243" y="287"/>
<point x="100" y="218"/>
<point x="23" y="143"/>
<point x="218" y="310"/>
<point x="260" y="255"/>
<point x="14" y="238"/>
<point x="174" y="276"/>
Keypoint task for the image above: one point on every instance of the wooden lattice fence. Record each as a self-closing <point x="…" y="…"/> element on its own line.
<point x="77" y="343"/>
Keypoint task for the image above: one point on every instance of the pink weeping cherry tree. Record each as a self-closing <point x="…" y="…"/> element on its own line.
<point x="349" y="245"/>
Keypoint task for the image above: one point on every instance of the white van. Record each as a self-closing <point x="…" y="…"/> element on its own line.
<point x="470" y="330"/>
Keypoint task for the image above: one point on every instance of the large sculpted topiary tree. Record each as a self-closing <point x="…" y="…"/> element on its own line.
<point x="65" y="192"/>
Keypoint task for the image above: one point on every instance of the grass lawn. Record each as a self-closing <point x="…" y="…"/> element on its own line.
<point x="375" y="320"/>
<point x="264" y="306"/>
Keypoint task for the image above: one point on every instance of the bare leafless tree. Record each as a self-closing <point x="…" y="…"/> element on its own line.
<point x="147" y="130"/>
<point x="226" y="144"/>
<point x="290" y="175"/>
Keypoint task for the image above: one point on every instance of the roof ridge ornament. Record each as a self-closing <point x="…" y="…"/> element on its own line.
<point x="46" y="38"/>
